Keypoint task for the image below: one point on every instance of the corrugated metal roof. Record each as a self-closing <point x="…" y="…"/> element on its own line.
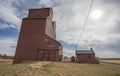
<point x="84" y="51"/>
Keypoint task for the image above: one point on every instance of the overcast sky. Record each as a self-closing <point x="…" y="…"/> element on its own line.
<point x="102" y="31"/>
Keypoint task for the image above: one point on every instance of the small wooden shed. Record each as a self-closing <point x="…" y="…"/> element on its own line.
<point x="86" y="56"/>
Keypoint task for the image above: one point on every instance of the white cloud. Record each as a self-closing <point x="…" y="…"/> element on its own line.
<point x="45" y="2"/>
<point x="107" y="54"/>
<point x="70" y="19"/>
<point x="49" y="3"/>
<point x="8" y="13"/>
<point x="67" y="52"/>
<point x="5" y="46"/>
<point x="5" y="25"/>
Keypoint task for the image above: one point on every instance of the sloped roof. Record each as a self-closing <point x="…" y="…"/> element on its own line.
<point x="84" y="51"/>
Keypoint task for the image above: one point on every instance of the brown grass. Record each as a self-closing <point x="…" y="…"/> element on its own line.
<point x="57" y="69"/>
<point x="111" y="61"/>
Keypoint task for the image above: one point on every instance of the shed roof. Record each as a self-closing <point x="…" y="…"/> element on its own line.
<point x="84" y="51"/>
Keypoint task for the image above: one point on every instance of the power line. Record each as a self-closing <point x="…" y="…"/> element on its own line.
<point x="85" y="23"/>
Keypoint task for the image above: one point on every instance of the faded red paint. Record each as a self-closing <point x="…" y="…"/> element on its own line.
<point x="37" y="38"/>
<point x="88" y="57"/>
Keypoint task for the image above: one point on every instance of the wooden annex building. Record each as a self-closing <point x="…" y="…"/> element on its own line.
<point x="85" y="56"/>
<point x="37" y="38"/>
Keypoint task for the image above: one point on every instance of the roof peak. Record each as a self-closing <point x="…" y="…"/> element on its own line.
<point x="88" y="51"/>
<point x="91" y="49"/>
<point x="85" y="51"/>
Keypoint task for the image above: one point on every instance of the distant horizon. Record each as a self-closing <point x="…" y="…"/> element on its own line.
<point x="70" y="57"/>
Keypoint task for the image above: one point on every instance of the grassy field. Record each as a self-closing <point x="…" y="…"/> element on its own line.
<point x="57" y="69"/>
<point x="111" y="61"/>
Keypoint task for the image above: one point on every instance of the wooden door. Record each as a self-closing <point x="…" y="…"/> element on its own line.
<point x="46" y="55"/>
<point x="52" y="55"/>
<point x="40" y="55"/>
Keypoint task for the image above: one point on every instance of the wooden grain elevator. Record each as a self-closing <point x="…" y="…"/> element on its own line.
<point x="37" y="38"/>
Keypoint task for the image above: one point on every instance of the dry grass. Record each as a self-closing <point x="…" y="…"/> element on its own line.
<point x="57" y="69"/>
<point x="111" y="61"/>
